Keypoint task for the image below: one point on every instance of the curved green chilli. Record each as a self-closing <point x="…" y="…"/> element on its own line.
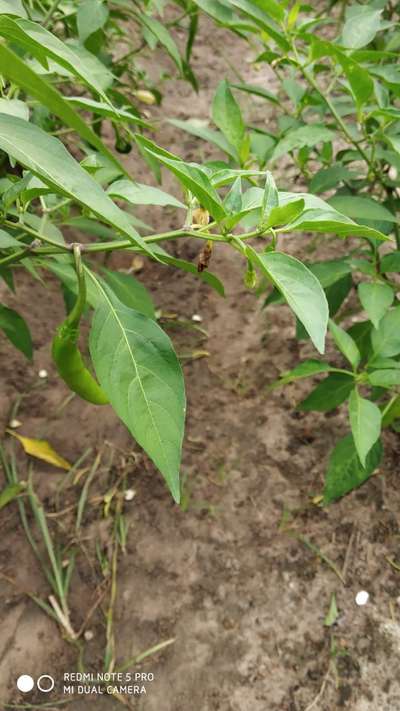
<point x="66" y="354"/>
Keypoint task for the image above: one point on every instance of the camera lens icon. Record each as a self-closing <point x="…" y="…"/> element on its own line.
<point x="45" y="683"/>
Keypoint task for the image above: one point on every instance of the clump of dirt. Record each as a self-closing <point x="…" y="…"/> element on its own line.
<point x="232" y="577"/>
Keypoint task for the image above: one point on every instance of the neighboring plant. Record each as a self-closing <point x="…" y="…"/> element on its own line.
<point x="338" y="124"/>
<point x="45" y="188"/>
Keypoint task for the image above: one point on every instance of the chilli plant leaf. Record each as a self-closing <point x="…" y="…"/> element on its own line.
<point x="301" y="289"/>
<point x="138" y="370"/>
<point x="47" y="157"/>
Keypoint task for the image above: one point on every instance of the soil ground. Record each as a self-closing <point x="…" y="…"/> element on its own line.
<point x="231" y="577"/>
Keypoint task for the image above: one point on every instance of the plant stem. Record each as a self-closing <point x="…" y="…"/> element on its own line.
<point x="53" y="8"/>
<point x="57" y="248"/>
<point x="325" y="97"/>
<point x="75" y="314"/>
<point x="30" y="231"/>
<point x="15" y="257"/>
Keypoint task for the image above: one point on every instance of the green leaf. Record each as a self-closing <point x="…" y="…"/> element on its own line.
<point x="43" y="44"/>
<point x="130" y="292"/>
<point x="318" y="216"/>
<point x="376" y="299"/>
<point x="272" y="8"/>
<point x="386" y="338"/>
<point x="140" y="194"/>
<point x="328" y="178"/>
<point x="257" y="91"/>
<point x="361" y="83"/>
<point x="141" y="375"/>
<point x="201" y="130"/>
<point x="16" y="330"/>
<point x="298" y="138"/>
<point x="335" y="278"/>
<point x="91" y="227"/>
<point x="328" y="394"/>
<point x="361" y="208"/>
<point x="18" y="72"/>
<point x="383" y="363"/>
<point x="98" y="71"/>
<point x="384" y="378"/>
<point x="14" y="107"/>
<point x="317" y="220"/>
<point x="365" y="421"/>
<point x="361" y="27"/>
<point x="270" y="198"/>
<point x="330" y="271"/>
<point x="191" y="176"/>
<point x="390" y="262"/>
<point x="224" y="176"/>
<point x="163" y="37"/>
<point x="233" y="199"/>
<point x="345" y="472"/>
<point x="218" y="10"/>
<point x="10" y="492"/>
<point x="12" y="7"/>
<point x="7" y="241"/>
<point x="92" y="15"/>
<point x="284" y="214"/>
<point x="227" y="115"/>
<point x="101" y="109"/>
<point x="301" y="289"/>
<point x="337" y="293"/>
<point x="345" y="344"/>
<point x="361" y="334"/>
<point x="48" y="158"/>
<point x="261" y="19"/>
<point x="49" y="229"/>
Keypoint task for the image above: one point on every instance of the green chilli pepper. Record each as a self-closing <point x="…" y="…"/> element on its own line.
<point x="65" y="351"/>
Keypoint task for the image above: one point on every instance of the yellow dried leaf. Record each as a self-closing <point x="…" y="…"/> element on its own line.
<point x="41" y="449"/>
<point x="200" y="216"/>
<point x="137" y="264"/>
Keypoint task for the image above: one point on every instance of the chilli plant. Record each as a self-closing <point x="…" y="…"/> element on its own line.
<point x="330" y="79"/>
<point x="58" y="172"/>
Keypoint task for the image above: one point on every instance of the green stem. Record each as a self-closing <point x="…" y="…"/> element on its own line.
<point x="325" y="97"/>
<point x="15" y="257"/>
<point x="30" y="231"/>
<point x="76" y="312"/>
<point x="53" y="8"/>
<point x="114" y="245"/>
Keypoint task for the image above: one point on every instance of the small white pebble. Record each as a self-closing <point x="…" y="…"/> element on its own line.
<point x="129" y="494"/>
<point x="362" y="597"/>
<point x="42" y="373"/>
<point x="14" y="424"/>
<point x="197" y="318"/>
<point x="88" y="635"/>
